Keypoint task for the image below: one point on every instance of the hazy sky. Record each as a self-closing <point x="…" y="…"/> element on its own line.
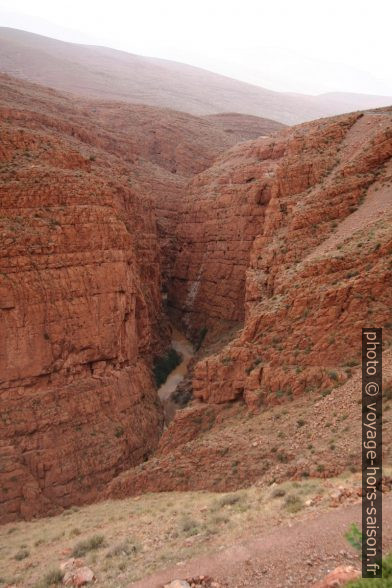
<point x="309" y="46"/>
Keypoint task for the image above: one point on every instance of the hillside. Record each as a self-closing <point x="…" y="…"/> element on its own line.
<point x="244" y="126"/>
<point x="108" y="74"/>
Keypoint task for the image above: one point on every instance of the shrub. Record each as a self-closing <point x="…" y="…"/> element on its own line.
<point x="278" y="493"/>
<point x="300" y="422"/>
<point x="21" y="554"/>
<point x="52" y="578"/>
<point x="229" y="499"/>
<point x="189" y="526"/>
<point x="326" y="392"/>
<point x="125" y="548"/>
<point x="83" y="547"/>
<point x="164" y="365"/>
<point x="293" y="503"/>
<point x="354" y="537"/>
<point x="351" y="363"/>
<point x="282" y="457"/>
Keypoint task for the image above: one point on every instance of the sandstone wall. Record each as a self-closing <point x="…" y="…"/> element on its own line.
<point x="80" y="319"/>
<point x="318" y="268"/>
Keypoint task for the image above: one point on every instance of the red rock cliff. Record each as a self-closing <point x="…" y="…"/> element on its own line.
<point x="316" y="267"/>
<point x="80" y="316"/>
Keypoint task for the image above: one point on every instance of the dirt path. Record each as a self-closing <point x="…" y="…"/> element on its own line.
<point x="294" y="555"/>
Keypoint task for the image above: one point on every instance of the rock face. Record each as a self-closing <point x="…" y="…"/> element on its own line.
<point x="220" y="216"/>
<point x="80" y="306"/>
<point x="292" y="235"/>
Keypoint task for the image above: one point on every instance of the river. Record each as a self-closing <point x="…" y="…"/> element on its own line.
<point x="185" y="348"/>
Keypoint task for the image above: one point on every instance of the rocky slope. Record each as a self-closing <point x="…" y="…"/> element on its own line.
<point x="289" y="238"/>
<point x="108" y="74"/>
<point x="293" y="233"/>
<point x="244" y="126"/>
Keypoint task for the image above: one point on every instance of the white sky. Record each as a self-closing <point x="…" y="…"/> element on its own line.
<point x="309" y="46"/>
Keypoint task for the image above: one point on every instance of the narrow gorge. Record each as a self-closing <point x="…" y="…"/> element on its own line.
<point x="119" y="221"/>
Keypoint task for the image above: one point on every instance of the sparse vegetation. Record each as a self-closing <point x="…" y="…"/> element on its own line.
<point x="293" y="503"/>
<point x="282" y="457"/>
<point x="126" y="530"/>
<point x="354" y="537"/>
<point x="52" y="578"/>
<point x="127" y="547"/>
<point x="278" y="492"/>
<point x="91" y="544"/>
<point x="23" y="553"/>
<point x="189" y="526"/>
<point x="229" y="499"/>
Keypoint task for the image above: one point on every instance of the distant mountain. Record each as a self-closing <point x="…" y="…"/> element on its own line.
<point x="343" y="100"/>
<point x="109" y="74"/>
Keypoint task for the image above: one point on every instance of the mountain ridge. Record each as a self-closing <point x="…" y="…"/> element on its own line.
<point x="106" y="73"/>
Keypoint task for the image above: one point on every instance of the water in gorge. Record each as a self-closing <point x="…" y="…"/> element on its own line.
<point x="185" y="348"/>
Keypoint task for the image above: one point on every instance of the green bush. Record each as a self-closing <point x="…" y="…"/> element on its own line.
<point x="354" y="537"/>
<point x="164" y="365"/>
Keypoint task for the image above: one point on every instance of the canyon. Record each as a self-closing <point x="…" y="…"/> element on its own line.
<point x="119" y="220"/>
<point x="88" y="196"/>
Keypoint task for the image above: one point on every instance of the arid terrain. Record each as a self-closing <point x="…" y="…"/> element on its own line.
<point x="104" y="73"/>
<point x="268" y="247"/>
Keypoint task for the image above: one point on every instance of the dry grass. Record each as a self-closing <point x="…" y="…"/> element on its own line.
<point x="128" y="539"/>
